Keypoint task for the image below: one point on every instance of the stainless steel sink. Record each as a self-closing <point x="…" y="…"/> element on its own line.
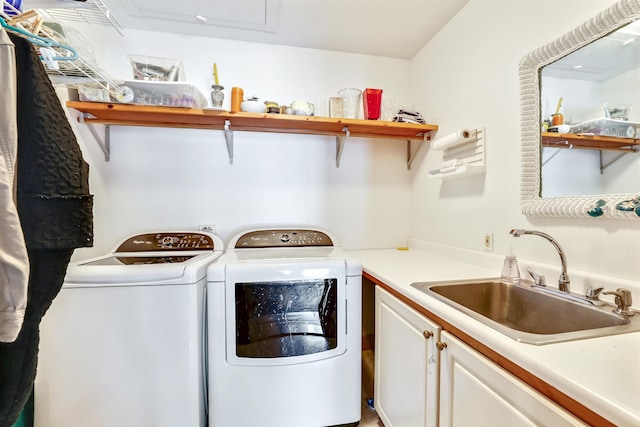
<point x="527" y="314"/>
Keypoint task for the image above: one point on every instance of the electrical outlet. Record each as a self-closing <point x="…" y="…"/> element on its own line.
<point x="488" y="241"/>
<point x="208" y="228"/>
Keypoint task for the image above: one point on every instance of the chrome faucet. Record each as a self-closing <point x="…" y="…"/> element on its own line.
<point x="623" y="301"/>
<point x="563" y="281"/>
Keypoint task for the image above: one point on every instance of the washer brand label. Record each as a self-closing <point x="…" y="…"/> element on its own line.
<point x="141" y="242"/>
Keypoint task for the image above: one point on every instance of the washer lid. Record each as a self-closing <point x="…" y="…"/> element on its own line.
<point x="155" y="258"/>
<point x="140" y="260"/>
<point x="107" y="270"/>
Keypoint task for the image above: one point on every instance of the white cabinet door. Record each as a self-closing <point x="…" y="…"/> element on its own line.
<point x="476" y="392"/>
<point x="406" y="365"/>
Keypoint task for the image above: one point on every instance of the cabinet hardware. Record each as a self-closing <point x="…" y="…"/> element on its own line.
<point x="427" y="334"/>
<point x="440" y="345"/>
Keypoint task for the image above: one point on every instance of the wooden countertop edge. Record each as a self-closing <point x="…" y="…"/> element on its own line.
<point x="573" y="406"/>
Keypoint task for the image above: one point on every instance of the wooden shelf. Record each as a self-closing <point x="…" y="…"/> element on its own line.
<point x="589" y="142"/>
<point x="139" y="115"/>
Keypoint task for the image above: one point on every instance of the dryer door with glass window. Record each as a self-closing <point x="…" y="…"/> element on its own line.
<point x="287" y="312"/>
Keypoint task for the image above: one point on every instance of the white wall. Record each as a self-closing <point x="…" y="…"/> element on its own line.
<point x="176" y="178"/>
<point x="467" y="76"/>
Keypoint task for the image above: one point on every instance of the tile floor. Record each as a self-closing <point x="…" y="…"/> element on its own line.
<point x="369" y="416"/>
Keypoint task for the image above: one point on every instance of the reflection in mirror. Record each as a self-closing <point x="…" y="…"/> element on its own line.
<point x="590" y="93"/>
<point x="579" y="156"/>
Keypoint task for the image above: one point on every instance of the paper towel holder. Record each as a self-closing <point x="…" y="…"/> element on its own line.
<point x="462" y="136"/>
<point x="463" y="154"/>
<point x="470" y="133"/>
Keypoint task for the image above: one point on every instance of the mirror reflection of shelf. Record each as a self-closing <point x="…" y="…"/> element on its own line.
<point x="590" y="142"/>
<point x="534" y="106"/>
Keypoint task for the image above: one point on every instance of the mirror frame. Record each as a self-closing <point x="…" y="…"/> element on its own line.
<point x="613" y="206"/>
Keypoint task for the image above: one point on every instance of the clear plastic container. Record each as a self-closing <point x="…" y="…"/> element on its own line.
<point x="510" y="272"/>
<point x="350" y="102"/>
<point x="151" y="68"/>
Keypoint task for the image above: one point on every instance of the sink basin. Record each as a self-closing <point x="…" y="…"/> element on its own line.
<point x="529" y="314"/>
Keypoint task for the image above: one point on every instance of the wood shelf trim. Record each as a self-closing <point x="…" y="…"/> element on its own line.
<point x="589" y="142"/>
<point x="138" y="115"/>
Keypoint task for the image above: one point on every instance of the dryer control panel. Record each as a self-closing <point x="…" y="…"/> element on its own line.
<point x="170" y="241"/>
<point x="282" y="238"/>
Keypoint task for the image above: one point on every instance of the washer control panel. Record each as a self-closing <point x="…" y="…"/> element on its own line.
<point x="171" y="241"/>
<point x="282" y="238"/>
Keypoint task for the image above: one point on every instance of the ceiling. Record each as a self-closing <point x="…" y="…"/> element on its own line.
<point x="390" y="28"/>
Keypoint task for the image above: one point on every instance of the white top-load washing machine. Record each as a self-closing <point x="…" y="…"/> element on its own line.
<point x="123" y="343"/>
<point x="284" y="329"/>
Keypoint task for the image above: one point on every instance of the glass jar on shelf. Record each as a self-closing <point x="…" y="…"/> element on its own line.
<point x="217" y="96"/>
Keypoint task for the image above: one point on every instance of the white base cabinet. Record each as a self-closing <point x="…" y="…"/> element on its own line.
<point x="406" y="365"/>
<point x="437" y="380"/>
<point x="474" y="391"/>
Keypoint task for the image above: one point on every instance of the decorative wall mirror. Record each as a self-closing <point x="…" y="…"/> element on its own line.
<point x="584" y="161"/>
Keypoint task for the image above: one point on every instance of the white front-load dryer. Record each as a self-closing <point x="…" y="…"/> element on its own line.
<point x="123" y="343"/>
<point x="284" y="329"/>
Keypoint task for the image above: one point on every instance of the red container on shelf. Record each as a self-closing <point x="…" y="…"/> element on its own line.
<point x="371" y="100"/>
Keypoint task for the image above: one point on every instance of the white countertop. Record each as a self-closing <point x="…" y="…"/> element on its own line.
<point x="603" y="374"/>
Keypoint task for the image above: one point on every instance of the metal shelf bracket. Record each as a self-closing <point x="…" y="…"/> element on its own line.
<point x="104" y="144"/>
<point x="411" y="154"/>
<point x="605" y="164"/>
<point x="340" y="140"/>
<point x="228" y="135"/>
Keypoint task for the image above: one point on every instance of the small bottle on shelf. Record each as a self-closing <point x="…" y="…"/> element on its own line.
<point x="217" y="96"/>
<point x="237" y="95"/>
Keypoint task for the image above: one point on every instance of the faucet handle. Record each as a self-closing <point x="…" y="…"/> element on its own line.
<point x="623" y="301"/>
<point x="593" y="293"/>
<point x="538" y="279"/>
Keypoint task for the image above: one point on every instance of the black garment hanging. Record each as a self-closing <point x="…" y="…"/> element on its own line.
<point x="55" y="210"/>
